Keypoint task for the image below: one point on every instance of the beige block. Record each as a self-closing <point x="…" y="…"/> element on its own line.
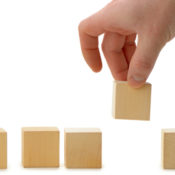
<point x="40" y="147"/>
<point x="3" y="149"/>
<point x="130" y="103"/>
<point x="83" y="148"/>
<point x="168" y="148"/>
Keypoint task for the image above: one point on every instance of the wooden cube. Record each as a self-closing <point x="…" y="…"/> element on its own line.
<point x="3" y="149"/>
<point x="168" y="148"/>
<point x="83" y="148"/>
<point x="131" y="103"/>
<point x="40" y="147"/>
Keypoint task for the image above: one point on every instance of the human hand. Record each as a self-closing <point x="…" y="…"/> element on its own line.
<point x="120" y="21"/>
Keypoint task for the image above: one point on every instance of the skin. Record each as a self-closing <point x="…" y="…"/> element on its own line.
<point x="153" y="21"/>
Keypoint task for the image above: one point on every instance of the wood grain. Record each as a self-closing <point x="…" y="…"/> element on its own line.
<point x="83" y="148"/>
<point x="3" y="149"/>
<point x="130" y="103"/>
<point x="40" y="147"/>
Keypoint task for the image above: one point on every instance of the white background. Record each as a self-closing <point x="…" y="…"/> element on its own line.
<point x="44" y="81"/>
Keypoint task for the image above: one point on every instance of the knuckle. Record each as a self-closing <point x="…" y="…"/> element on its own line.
<point x="144" y="64"/>
<point x="82" y="26"/>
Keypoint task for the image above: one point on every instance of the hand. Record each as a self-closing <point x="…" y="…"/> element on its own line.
<point x="120" y="21"/>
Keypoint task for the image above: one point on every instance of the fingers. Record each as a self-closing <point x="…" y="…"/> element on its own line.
<point x="89" y="30"/>
<point x="144" y="59"/>
<point x="129" y="47"/>
<point x="112" y="48"/>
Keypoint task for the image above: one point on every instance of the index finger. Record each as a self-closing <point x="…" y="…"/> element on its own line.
<point x="89" y="30"/>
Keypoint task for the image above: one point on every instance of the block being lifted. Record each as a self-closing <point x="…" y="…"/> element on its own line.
<point x="83" y="148"/>
<point x="131" y="103"/>
<point x="3" y="149"/>
<point x="40" y="147"/>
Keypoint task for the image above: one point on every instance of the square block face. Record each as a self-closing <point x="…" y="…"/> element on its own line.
<point x="130" y="103"/>
<point x="40" y="147"/>
<point x="3" y="149"/>
<point x="168" y="148"/>
<point x="83" y="148"/>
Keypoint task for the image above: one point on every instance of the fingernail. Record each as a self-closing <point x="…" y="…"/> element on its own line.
<point x="138" y="78"/>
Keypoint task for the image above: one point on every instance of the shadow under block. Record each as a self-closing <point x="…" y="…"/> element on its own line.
<point x="83" y="148"/>
<point x="130" y="103"/>
<point x="40" y="147"/>
<point x="3" y="149"/>
<point x="168" y="148"/>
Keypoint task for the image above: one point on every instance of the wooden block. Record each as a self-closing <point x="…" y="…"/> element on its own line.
<point x="83" y="148"/>
<point x="130" y="103"/>
<point x="168" y="148"/>
<point x="40" y="147"/>
<point x="3" y="149"/>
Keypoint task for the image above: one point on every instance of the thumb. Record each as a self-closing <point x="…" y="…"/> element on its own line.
<point x="144" y="59"/>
